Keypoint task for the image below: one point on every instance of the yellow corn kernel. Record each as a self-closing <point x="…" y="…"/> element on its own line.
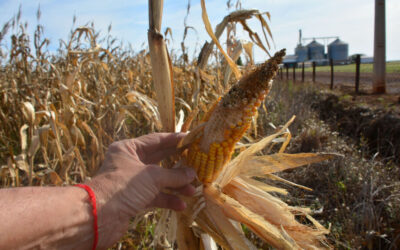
<point x="227" y="133"/>
<point x="191" y="156"/>
<point x="203" y="166"/>
<point x="219" y="160"/>
<point x="209" y="171"/>
<point x="197" y="161"/>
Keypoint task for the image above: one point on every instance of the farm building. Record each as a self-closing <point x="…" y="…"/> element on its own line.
<point x="301" y="53"/>
<point x="316" y="51"/>
<point x="337" y="50"/>
<point x="290" y="61"/>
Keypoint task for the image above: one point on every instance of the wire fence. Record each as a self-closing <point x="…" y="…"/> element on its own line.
<point x="357" y="81"/>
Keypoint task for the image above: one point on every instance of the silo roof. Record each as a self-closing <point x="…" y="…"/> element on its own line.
<point x="314" y="44"/>
<point x="299" y="46"/>
<point x="337" y="42"/>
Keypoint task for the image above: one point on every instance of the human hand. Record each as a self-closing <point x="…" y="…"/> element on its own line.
<point x="129" y="181"/>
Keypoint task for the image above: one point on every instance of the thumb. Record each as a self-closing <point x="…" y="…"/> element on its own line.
<point x="174" y="178"/>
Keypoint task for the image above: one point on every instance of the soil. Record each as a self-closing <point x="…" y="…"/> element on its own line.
<point x="364" y="120"/>
<point x="372" y="119"/>
<point x="345" y="83"/>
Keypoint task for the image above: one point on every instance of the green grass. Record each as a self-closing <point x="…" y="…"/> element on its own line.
<point x="391" y="67"/>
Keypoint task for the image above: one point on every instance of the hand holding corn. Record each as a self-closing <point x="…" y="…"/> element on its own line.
<point x="128" y="182"/>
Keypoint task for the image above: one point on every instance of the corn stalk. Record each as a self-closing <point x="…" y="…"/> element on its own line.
<point x="161" y="67"/>
<point x="164" y="87"/>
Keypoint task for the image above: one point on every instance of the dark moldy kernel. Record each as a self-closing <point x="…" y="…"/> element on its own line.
<point x="253" y="83"/>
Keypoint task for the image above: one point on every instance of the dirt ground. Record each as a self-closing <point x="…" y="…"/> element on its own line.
<point x="347" y="80"/>
<point x="344" y="84"/>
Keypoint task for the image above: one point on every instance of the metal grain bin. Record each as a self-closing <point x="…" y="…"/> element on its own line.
<point x="315" y="51"/>
<point x="301" y="53"/>
<point x="338" y="50"/>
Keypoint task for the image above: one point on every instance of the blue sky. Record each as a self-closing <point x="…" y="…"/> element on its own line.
<point x="351" y="20"/>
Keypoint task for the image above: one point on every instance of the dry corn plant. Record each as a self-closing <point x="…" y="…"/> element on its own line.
<point x="228" y="196"/>
<point x="59" y="113"/>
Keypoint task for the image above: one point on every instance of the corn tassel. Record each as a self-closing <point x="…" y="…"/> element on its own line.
<point x="228" y="120"/>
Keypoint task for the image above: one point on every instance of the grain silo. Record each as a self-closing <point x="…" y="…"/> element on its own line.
<point x="338" y="51"/>
<point x="315" y="51"/>
<point x="301" y="53"/>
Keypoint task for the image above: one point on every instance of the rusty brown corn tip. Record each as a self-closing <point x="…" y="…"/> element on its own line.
<point x="229" y="120"/>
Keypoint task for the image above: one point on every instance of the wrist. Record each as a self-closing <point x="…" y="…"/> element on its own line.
<point x="112" y="223"/>
<point x="92" y="201"/>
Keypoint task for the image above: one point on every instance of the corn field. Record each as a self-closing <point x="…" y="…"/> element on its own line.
<point x="60" y="111"/>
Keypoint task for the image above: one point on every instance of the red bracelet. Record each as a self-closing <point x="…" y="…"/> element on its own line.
<point x="92" y="199"/>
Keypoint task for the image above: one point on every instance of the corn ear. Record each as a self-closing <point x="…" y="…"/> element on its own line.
<point x="228" y="120"/>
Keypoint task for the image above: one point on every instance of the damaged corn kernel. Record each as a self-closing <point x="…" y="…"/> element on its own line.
<point x="228" y="120"/>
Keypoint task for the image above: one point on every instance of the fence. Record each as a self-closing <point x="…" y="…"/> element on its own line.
<point x="356" y="81"/>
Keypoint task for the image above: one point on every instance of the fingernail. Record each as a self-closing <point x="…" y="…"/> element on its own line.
<point x="191" y="174"/>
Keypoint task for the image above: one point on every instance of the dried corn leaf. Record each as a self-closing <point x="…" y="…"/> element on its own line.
<point x="29" y="112"/>
<point x="277" y="178"/>
<point x="254" y="36"/>
<point x="248" y="48"/>
<point x="194" y="134"/>
<point x="210" y="32"/>
<point x="149" y="107"/>
<point x="234" y="210"/>
<point x="206" y="77"/>
<point x="23" y="137"/>
<point x="180" y="121"/>
<point x="237" y="50"/>
<point x="57" y="139"/>
<point x="263" y="186"/>
<point x="55" y="178"/>
<point x="34" y="147"/>
<point x="266" y="26"/>
<point x="208" y="243"/>
<point x="184" y="104"/>
<point x="231" y="234"/>
<point x="267" y="164"/>
<point x="266" y="205"/>
<point x="276" y="212"/>
<point x="189" y="120"/>
<point x="287" y="137"/>
<point x="21" y="164"/>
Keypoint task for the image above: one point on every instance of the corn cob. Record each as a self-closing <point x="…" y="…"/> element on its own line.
<point x="228" y="120"/>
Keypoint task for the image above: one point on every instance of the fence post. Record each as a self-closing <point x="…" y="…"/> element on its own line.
<point x="331" y="64"/>
<point x="302" y="72"/>
<point x="313" y="71"/>
<point x="287" y="72"/>
<point x="358" y="62"/>
<point x="294" y="72"/>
